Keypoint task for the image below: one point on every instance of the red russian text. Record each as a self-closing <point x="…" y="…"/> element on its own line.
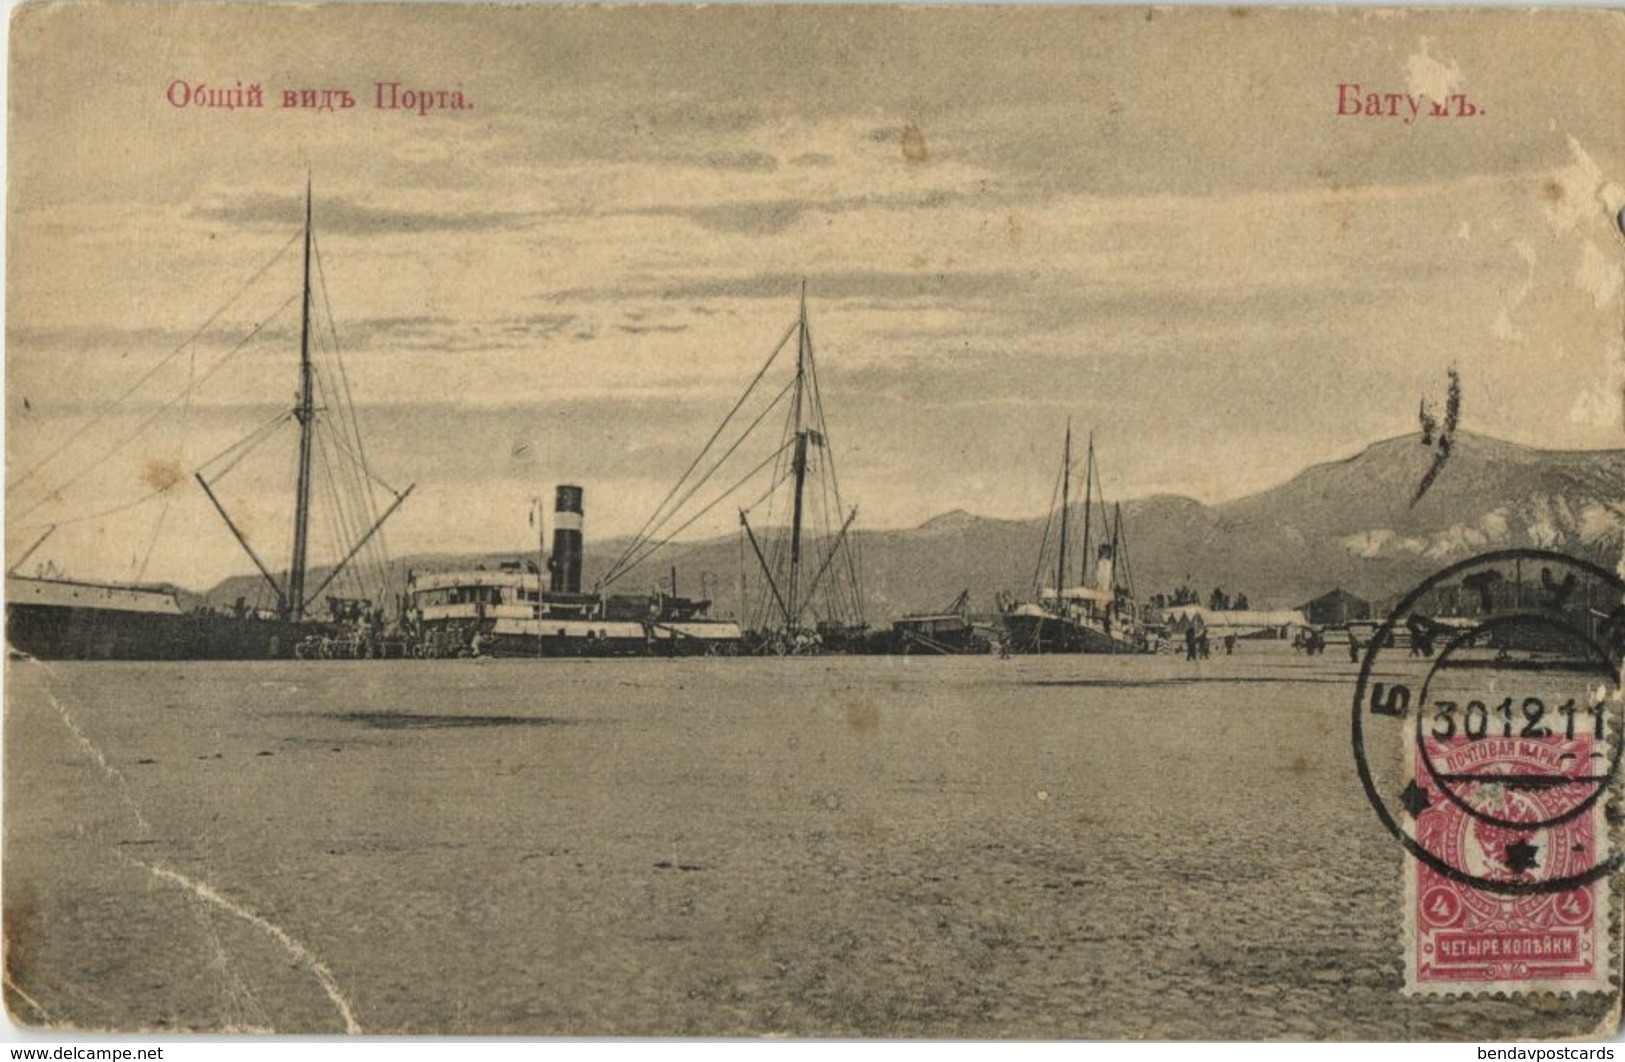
<point x="182" y="94"/>
<point x="1354" y="102"/>
<point x="390" y="96"/>
<point x="327" y="99"/>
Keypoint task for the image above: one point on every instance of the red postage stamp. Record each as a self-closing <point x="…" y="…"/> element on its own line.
<point x="1510" y="812"/>
<point x="1492" y="703"/>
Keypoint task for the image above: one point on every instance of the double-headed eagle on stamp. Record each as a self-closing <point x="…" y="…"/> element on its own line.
<point x="1487" y="733"/>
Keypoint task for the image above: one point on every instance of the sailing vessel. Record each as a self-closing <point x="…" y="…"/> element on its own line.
<point x="1095" y="614"/>
<point x="949" y="632"/>
<point x="800" y="589"/>
<point x="63" y="619"/>
<point x="56" y="618"/>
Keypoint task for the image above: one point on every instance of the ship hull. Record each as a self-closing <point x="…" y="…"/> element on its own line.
<point x="530" y="639"/>
<point x="518" y="646"/>
<point x="533" y="638"/>
<point x="1030" y="632"/>
<point x="54" y="632"/>
<point x="694" y="638"/>
<point x="943" y="635"/>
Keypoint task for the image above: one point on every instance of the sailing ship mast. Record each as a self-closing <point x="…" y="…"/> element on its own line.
<point x="293" y="601"/>
<point x="807" y="567"/>
<point x="1066" y="503"/>
<point x="305" y="413"/>
<point x="1117" y="524"/>
<point x="1087" y="617"/>
<point x="1088" y="511"/>
<point x="1122" y="575"/>
<point x="798" y="459"/>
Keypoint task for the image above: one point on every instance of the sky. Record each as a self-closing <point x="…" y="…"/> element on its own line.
<point x="1153" y="223"/>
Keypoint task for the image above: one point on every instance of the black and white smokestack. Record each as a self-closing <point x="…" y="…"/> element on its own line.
<point x="565" y="564"/>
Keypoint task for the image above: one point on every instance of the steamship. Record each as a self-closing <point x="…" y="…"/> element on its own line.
<point x="55" y="618"/>
<point x="1095" y="614"/>
<point x="518" y="610"/>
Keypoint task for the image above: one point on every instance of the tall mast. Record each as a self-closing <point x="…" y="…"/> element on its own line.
<point x="306" y="414"/>
<point x="1121" y="572"/>
<point x="1088" y="513"/>
<point x="1066" y="503"/>
<point x="799" y="462"/>
<point x="1117" y="526"/>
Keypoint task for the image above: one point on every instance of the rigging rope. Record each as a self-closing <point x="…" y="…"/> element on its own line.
<point x="1100" y="492"/>
<point x="781" y="537"/>
<point x="180" y="455"/>
<point x="359" y="463"/>
<point x="376" y="549"/>
<point x="761" y="605"/>
<point x="712" y="505"/>
<point x="343" y="523"/>
<point x="649" y="525"/>
<point x="102" y="514"/>
<point x="96" y="417"/>
<point x="1043" y="545"/>
<point x="623" y="565"/>
<point x="854" y="583"/>
<point x="774" y="485"/>
<point x="56" y="494"/>
<point x="247" y="444"/>
<point x="332" y="514"/>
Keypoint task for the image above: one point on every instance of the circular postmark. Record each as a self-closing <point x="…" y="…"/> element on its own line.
<point x="1486" y="720"/>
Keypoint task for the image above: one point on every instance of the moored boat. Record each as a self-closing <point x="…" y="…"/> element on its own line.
<point x="949" y="632"/>
<point x="517" y="610"/>
<point x="800" y="578"/>
<point x="1095" y="614"/>
<point x="55" y="618"/>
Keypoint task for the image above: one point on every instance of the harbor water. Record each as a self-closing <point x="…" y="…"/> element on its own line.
<point x="1059" y="846"/>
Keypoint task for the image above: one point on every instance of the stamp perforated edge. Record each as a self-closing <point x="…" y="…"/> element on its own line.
<point x="1606" y="976"/>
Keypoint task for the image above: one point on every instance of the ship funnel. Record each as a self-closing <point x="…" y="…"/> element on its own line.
<point x="565" y="564"/>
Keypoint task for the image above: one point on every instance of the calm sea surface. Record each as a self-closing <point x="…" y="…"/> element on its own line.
<point x="1040" y="847"/>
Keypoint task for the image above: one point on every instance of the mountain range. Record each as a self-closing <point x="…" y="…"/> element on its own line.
<point x="1347" y="524"/>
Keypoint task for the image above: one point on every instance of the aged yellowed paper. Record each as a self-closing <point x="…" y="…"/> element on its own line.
<point x="817" y="521"/>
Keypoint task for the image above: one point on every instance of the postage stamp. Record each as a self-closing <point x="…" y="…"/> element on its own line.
<point x="1495" y="689"/>
<point x="1513" y="828"/>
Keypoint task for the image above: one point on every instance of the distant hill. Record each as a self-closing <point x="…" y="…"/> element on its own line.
<point x="1346" y="524"/>
<point x="1351" y="523"/>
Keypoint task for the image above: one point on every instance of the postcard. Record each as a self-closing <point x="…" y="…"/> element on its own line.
<point x="815" y="521"/>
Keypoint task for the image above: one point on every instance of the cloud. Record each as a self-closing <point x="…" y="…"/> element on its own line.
<point x="769" y="217"/>
<point x="751" y="161"/>
<point x="1189" y="252"/>
<point x="352" y="217"/>
<point x="537" y="325"/>
<point x="762" y="218"/>
<point x="442" y="334"/>
<point x="825" y="286"/>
